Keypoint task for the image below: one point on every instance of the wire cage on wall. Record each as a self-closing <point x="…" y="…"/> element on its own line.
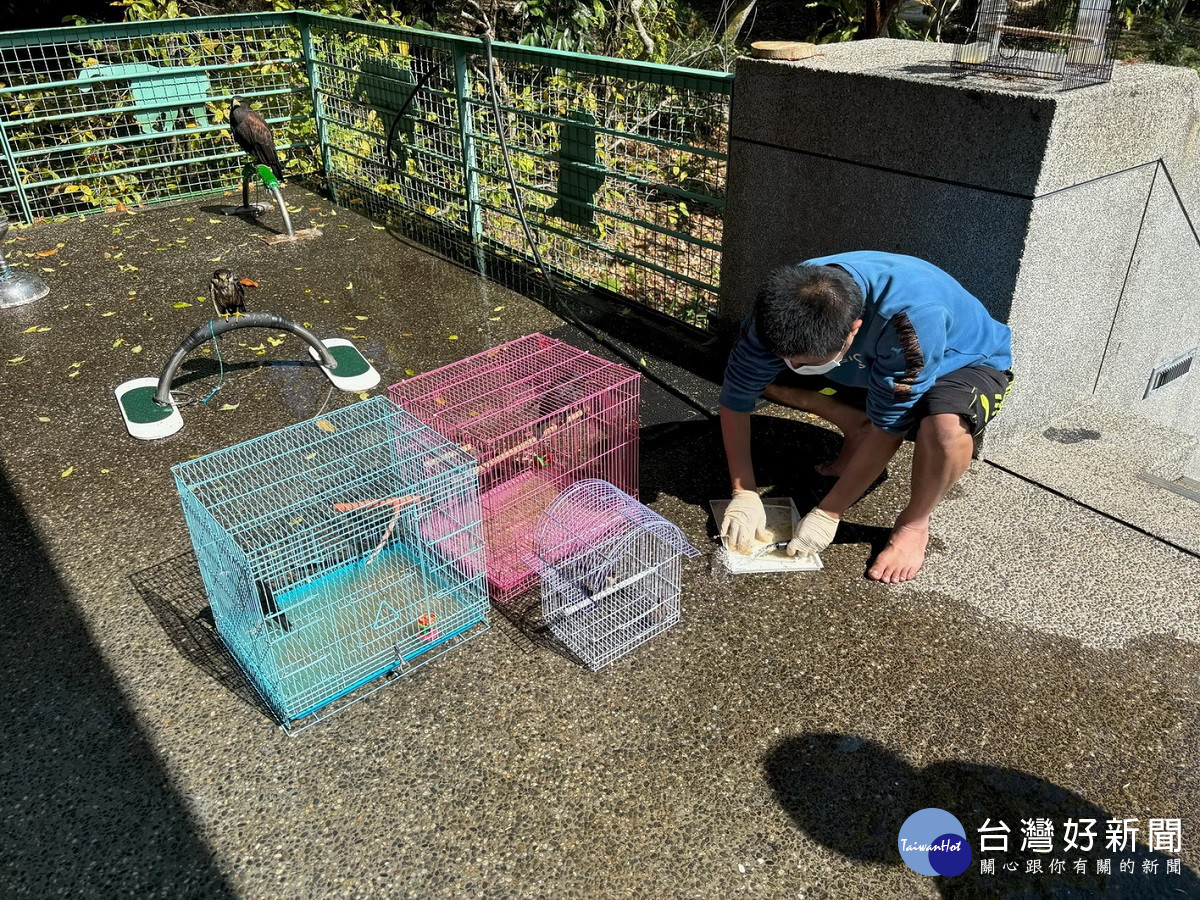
<point x="610" y="571"/>
<point x="317" y="552"/>
<point x="1072" y="41"/>
<point x="538" y="415"/>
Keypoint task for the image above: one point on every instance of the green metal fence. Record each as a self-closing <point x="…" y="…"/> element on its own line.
<point x="137" y="113"/>
<point x="620" y="164"/>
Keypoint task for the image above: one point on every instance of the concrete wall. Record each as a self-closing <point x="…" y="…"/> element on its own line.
<point x="1048" y="205"/>
<point x="1158" y="318"/>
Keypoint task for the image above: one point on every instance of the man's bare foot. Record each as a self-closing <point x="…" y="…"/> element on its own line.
<point x="901" y="559"/>
<point x="851" y="440"/>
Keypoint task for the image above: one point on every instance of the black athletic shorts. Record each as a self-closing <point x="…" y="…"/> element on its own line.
<point x="976" y="393"/>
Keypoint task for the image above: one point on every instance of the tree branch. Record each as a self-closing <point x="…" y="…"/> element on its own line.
<point x="635" y="12"/>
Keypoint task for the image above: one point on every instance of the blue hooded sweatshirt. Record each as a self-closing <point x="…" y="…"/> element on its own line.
<point x="918" y="324"/>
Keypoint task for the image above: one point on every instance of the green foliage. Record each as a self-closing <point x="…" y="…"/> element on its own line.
<point x="101" y="144"/>
<point x="1173" y="45"/>
<point x="842" y="21"/>
<point x="844" y="18"/>
<point x="563" y="24"/>
<point x="371" y="10"/>
<point x="1162" y="42"/>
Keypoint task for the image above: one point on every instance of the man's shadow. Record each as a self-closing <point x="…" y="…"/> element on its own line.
<point x="852" y="795"/>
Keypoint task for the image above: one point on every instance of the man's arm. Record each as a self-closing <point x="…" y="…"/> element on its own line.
<point x="745" y="518"/>
<point x="908" y="355"/>
<point x="735" y="431"/>
<point x="750" y="369"/>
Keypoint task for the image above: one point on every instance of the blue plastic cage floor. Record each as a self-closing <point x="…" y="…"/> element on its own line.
<point x="356" y="623"/>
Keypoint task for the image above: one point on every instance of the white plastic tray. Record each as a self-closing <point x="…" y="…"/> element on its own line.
<point x="782" y="519"/>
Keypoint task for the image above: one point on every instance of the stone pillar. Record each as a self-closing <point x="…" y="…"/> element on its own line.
<point x="1065" y="212"/>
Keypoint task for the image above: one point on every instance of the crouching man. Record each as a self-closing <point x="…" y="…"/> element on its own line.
<point x="885" y="347"/>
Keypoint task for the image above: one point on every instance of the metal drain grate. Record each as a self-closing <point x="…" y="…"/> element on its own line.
<point x="1169" y="372"/>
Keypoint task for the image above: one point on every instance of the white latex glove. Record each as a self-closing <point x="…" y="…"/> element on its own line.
<point x="815" y="533"/>
<point x="745" y="521"/>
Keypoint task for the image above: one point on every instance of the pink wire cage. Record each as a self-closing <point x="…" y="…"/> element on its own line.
<point x="538" y="415"/>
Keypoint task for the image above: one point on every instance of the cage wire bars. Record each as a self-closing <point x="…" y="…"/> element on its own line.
<point x="610" y="571"/>
<point x="620" y="164"/>
<point x="335" y="551"/>
<point x="1072" y="41"/>
<point x="538" y="415"/>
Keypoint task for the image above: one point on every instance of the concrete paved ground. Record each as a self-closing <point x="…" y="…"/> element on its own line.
<point x="770" y="745"/>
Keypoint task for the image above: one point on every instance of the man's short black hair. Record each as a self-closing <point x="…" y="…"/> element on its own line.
<point x="807" y="310"/>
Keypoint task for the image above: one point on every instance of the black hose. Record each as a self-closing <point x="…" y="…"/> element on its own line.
<point x="561" y="305"/>
<point x="421" y="82"/>
<point x="209" y="330"/>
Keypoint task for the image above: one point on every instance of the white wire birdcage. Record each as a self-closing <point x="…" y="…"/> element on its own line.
<point x="610" y="571"/>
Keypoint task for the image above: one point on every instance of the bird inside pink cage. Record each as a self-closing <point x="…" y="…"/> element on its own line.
<point x="538" y="415"/>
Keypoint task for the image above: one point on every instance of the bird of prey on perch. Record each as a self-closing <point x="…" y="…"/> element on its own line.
<point x="229" y="293"/>
<point x="253" y="135"/>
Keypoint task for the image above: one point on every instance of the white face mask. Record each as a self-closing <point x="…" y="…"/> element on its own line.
<point x="815" y="370"/>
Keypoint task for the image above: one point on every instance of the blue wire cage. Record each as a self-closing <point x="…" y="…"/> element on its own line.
<point x="335" y="551"/>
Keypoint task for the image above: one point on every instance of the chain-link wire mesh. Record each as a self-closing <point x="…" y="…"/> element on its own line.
<point x="387" y="112"/>
<point x="621" y="179"/>
<point x="129" y="114"/>
<point x="335" y="551"/>
<point x="620" y="165"/>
